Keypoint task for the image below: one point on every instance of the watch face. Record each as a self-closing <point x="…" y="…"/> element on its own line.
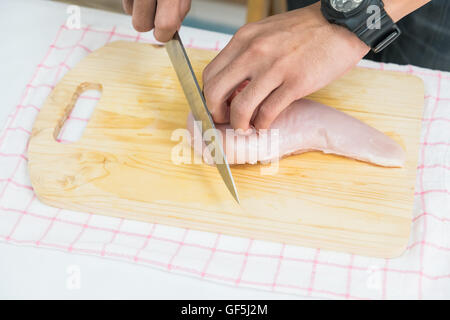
<point x="345" y="5"/>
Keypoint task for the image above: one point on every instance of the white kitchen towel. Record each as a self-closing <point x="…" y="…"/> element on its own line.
<point x="423" y="271"/>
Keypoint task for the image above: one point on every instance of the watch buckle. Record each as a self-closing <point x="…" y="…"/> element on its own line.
<point x="396" y="32"/>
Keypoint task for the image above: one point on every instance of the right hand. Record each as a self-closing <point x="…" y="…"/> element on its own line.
<point x="163" y="15"/>
<point x="284" y="57"/>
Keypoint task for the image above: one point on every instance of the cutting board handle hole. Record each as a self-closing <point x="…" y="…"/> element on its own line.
<point x="78" y="113"/>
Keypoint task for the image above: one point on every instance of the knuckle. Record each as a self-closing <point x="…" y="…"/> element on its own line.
<point x="259" y="46"/>
<point x="239" y="35"/>
<point x="244" y="32"/>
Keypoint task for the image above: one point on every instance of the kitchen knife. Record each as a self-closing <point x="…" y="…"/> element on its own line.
<point x="196" y="100"/>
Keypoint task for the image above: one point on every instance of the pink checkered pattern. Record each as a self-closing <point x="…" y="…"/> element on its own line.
<point x="422" y="272"/>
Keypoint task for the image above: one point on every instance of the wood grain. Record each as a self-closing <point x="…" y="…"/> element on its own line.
<point x="122" y="164"/>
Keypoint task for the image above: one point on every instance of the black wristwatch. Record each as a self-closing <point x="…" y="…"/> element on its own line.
<point x="366" y="18"/>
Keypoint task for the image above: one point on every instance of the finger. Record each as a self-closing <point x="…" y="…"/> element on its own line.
<point x="223" y="59"/>
<point x="127" y="6"/>
<point x="221" y="86"/>
<point x="245" y="103"/>
<point x="235" y="47"/>
<point x="167" y="20"/>
<point x="185" y="6"/>
<point x="143" y="15"/>
<point x="275" y="103"/>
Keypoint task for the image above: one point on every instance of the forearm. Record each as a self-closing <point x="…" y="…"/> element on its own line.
<point x="397" y="9"/>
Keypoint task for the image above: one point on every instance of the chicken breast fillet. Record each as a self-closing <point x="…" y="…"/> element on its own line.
<point x="308" y="126"/>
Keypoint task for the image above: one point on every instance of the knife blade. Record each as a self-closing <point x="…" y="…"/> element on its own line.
<point x="197" y="103"/>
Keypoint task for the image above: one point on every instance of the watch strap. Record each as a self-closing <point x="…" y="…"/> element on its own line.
<point x="380" y="34"/>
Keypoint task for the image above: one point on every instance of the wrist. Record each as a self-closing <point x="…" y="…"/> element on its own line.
<point x="359" y="47"/>
<point x="393" y="9"/>
<point x="367" y="19"/>
<point x="397" y="9"/>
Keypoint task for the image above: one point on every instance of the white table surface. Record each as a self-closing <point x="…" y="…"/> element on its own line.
<point x="27" y="28"/>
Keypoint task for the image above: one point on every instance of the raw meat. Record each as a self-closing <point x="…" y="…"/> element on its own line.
<point x="309" y="126"/>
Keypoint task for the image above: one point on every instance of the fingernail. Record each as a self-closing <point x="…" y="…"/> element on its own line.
<point x="246" y="132"/>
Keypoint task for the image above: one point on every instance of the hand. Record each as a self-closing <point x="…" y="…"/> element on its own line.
<point x="163" y="15"/>
<point x="285" y="57"/>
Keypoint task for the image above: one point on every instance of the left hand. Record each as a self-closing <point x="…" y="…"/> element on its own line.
<point x="285" y="57"/>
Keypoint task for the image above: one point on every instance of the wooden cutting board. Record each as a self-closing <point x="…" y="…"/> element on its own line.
<point x="122" y="164"/>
